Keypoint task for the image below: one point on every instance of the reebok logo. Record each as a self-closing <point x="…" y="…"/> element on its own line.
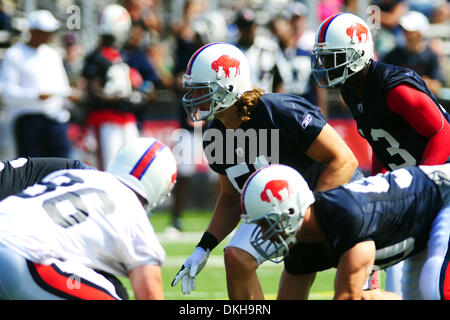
<point x="306" y="121"/>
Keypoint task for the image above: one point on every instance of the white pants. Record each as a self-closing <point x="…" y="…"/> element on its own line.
<point x="21" y="279"/>
<point x="394" y="278"/>
<point x="427" y="274"/>
<point x="111" y="138"/>
<point x="241" y="240"/>
<point x="434" y="279"/>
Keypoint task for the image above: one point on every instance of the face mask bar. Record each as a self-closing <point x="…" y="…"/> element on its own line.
<point x="331" y="68"/>
<point x="153" y="205"/>
<point x="216" y="93"/>
<point x="264" y="243"/>
<point x="150" y="206"/>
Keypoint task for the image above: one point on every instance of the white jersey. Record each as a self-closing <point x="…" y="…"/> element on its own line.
<point x="85" y="216"/>
<point x="27" y="72"/>
<point x="264" y="56"/>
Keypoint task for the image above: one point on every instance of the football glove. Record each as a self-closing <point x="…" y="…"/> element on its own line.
<point x="193" y="265"/>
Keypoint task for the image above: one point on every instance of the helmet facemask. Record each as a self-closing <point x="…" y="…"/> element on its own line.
<point x="332" y="68"/>
<point x="214" y="93"/>
<point x="162" y="198"/>
<point x="273" y="236"/>
<point x="276" y="198"/>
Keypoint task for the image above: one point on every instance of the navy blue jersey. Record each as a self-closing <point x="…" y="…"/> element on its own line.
<point x="281" y="129"/>
<point x="395" y="210"/>
<point x="18" y="174"/>
<point x="97" y="65"/>
<point x="395" y="143"/>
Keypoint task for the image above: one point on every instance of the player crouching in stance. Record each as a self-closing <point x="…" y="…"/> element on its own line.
<point x="220" y="90"/>
<point x="375" y="221"/>
<point x="58" y="236"/>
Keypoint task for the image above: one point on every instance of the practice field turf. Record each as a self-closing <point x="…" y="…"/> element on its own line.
<point x="211" y="282"/>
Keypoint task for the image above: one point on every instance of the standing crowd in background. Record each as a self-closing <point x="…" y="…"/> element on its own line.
<point x="76" y="103"/>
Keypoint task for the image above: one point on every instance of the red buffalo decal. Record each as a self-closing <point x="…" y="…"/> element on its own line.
<point x="174" y="177"/>
<point x="275" y="186"/>
<point x="226" y="62"/>
<point x="359" y="29"/>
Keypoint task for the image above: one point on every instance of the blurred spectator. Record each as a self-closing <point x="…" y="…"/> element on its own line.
<point x="149" y="12"/>
<point x="304" y="36"/>
<point x="110" y="87"/>
<point x="417" y="55"/>
<point x="390" y="35"/>
<point x="187" y="41"/>
<point x="351" y="6"/>
<point x="162" y="63"/>
<point x="442" y="13"/>
<point x="268" y="66"/>
<point x="391" y="12"/>
<point x="297" y="41"/>
<point x="73" y="59"/>
<point x="5" y="19"/>
<point x="437" y="11"/>
<point x="135" y="55"/>
<point x="35" y="86"/>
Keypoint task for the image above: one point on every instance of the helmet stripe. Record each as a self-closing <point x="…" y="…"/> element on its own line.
<point x="324" y="27"/>
<point x="146" y="160"/>
<point x="194" y="56"/>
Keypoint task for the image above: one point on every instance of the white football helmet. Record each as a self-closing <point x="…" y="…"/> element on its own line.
<point x="114" y="20"/>
<point x="277" y="197"/>
<point x="343" y="47"/>
<point x="148" y="167"/>
<point x="222" y="71"/>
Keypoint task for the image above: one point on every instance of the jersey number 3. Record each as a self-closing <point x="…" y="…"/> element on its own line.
<point x="408" y="159"/>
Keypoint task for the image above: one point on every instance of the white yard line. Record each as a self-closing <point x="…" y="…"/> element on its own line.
<point x="213" y="261"/>
<point x="169" y="237"/>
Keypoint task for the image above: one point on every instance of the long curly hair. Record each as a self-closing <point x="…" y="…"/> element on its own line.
<point x="247" y="102"/>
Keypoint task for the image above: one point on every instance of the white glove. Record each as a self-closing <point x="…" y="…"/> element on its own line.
<point x="193" y="265"/>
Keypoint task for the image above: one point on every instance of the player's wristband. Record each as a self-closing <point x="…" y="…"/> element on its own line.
<point x="208" y="241"/>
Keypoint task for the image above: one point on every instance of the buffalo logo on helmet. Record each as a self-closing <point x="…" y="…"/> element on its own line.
<point x="275" y="187"/>
<point x="358" y="30"/>
<point x="226" y="63"/>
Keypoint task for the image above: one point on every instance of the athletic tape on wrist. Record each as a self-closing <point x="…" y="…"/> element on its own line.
<point x="208" y="241"/>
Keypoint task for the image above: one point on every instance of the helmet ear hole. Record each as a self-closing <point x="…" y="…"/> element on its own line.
<point x="291" y="211"/>
<point x="230" y="88"/>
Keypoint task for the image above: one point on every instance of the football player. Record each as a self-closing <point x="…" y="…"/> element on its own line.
<point x="17" y="174"/>
<point x="20" y="173"/>
<point x="283" y="128"/>
<point x="375" y="221"/>
<point x="57" y="234"/>
<point x="393" y="108"/>
<point x="109" y="86"/>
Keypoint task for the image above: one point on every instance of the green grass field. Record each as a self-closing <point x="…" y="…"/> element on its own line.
<point x="211" y="282"/>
